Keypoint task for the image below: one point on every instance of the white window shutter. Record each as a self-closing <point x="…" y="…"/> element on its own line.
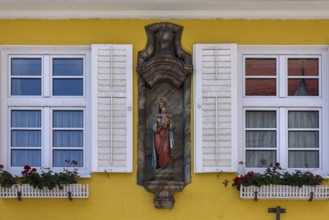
<point x="112" y="108"/>
<point x="215" y="80"/>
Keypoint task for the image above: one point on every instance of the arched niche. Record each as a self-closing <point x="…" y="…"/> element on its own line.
<point x="164" y="70"/>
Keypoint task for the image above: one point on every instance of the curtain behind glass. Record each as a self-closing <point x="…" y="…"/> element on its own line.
<point x="260" y="134"/>
<point x="67" y="133"/>
<point x="20" y="158"/>
<point x="303" y="133"/>
<point x="25" y="133"/>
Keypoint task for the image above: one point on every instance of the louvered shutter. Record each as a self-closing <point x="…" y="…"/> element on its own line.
<point x="215" y="107"/>
<point x="112" y="105"/>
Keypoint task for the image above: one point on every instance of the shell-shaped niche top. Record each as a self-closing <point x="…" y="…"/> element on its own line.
<point x="164" y="59"/>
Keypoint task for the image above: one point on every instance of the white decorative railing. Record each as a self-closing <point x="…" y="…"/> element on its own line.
<point x="27" y="191"/>
<point x="284" y="192"/>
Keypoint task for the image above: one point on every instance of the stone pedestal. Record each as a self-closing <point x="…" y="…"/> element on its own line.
<point x="164" y="187"/>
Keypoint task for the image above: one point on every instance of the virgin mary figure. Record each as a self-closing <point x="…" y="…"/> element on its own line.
<point x="163" y="136"/>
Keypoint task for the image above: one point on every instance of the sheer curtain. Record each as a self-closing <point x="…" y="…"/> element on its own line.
<point x="21" y="158"/>
<point x="26" y="137"/>
<point x="260" y="138"/>
<point x="67" y="137"/>
<point x="303" y="139"/>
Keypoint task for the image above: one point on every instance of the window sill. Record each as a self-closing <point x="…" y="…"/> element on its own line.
<point x="285" y="192"/>
<point x="20" y="191"/>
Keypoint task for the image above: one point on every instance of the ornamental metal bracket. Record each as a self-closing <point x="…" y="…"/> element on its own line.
<point x="278" y="210"/>
<point x="311" y="196"/>
<point x="255" y="195"/>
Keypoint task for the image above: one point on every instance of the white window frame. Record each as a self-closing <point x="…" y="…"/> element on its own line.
<point x="46" y="102"/>
<point x="283" y="102"/>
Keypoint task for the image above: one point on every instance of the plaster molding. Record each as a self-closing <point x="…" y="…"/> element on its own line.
<point x="164" y="9"/>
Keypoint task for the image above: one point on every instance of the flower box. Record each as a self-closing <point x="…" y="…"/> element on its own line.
<point x="27" y="191"/>
<point x="284" y="192"/>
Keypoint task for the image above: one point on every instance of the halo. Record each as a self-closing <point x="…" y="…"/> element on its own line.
<point x="164" y="100"/>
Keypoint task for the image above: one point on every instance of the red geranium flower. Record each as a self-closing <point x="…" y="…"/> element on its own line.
<point x="34" y="170"/>
<point x="251" y="173"/>
<point x="237" y="180"/>
<point x="277" y="164"/>
<point x="27" y="167"/>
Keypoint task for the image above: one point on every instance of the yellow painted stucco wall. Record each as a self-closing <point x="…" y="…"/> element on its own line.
<point x="118" y="196"/>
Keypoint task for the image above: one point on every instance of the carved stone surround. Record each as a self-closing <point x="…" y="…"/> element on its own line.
<point x="164" y="70"/>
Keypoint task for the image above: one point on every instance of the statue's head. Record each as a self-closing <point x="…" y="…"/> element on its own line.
<point x="162" y="104"/>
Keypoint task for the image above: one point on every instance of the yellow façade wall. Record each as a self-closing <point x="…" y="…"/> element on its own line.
<point x="118" y="196"/>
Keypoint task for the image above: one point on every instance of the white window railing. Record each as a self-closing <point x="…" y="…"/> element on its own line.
<point x="284" y="192"/>
<point x="20" y="191"/>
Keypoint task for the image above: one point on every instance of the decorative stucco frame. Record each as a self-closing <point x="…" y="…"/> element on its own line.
<point x="163" y="63"/>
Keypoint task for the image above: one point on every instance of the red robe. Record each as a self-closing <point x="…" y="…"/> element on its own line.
<point x="162" y="148"/>
<point x="162" y="143"/>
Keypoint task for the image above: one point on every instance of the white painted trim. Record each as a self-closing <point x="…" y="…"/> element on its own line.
<point x="234" y="108"/>
<point x="197" y="56"/>
<point x="3" y="114"/>
<point x="94" y="107"/>
<point x="161" y="9"/>
<point x="129" y="110"/>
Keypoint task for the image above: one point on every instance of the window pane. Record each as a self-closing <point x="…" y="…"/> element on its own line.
<point x="303" y="87"/>
<point x="303" y="119"/>
<point x="303" y="159"/>
<point x="25" y="138"/>
<point x="61" y="158"/>
<point x="68" y="67"/>
<point x="260" y="119"/>
<point x="257" y="158"/>
<point x="26" y="118"/>
<point x="26" y="67"/>
<point x="25" y="86"/>
<point x="68" y="87"/>
<point x="303" y="139"/>
<point x="68" y="119"/>
<point x="21" y="158"/>
<point x="261" y="87"/>
<point x="303" y="67"/>
<point x="260" y="139"/>
<point x="260" y="67"/>
<point x="68" y="138"/>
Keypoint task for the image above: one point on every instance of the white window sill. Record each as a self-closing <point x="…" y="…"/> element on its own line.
<point x="284" y="192"/>
<point x="20" y="191"/>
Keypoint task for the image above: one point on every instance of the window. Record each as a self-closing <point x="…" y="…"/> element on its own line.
<point x="261" y="105"/>
<point x="46" y="93"/>
<point x="284" y="110"/>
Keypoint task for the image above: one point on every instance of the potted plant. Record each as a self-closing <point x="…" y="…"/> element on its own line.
<point x="275" y="183"/>
<point x="44" y="184"/>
